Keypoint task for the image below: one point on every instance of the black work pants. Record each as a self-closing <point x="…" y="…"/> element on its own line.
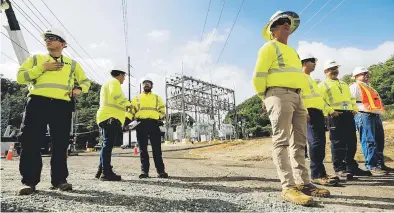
<point x="40" y="112"/>
<point x="343" y="141"/>
<point x="317" y="142"/>
<point x="149" y="129"/>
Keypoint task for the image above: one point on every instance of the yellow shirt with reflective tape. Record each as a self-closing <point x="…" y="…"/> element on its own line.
<point x="52" y="84"/>
<point x="336" y="94"/>
<point x="113" y="102"/>
<point x="312" y="97"/>
<point x="278" y="65"/>
<point x="148" y="106"/>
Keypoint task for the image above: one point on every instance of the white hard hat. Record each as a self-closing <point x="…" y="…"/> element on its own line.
<point x="118" y="68"/>
<point x="359" y="70"/>
<point x="307" y="56"/>
<point x="146" y="79"/>
<point x="330" y="63"/>
<point x="56" y="32"/>
<point x="294" y="19"/>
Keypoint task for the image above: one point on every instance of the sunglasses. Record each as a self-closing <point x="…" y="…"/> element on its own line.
<point x="309" y="60"/>
<point x="281" y="21"/>
<point x="53" y="38"/>
<point x="333" y="68"/>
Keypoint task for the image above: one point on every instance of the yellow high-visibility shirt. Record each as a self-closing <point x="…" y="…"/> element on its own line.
<point x="312" y="97"/>
<point x="148" y="106"/>
<point x="278" y="65"/>
<point x="336" y="94"/>
<point x="113" y="102"/>
<point x="52" y="84"/>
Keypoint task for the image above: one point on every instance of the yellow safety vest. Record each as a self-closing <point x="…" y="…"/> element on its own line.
<point x="312" y="97"/>
<point x="148" y="106"/>
<point x="336" y="94"/>
<point x="52" y="84"/>
<point x="278" y="65"/>
<point x="113" y="102"/>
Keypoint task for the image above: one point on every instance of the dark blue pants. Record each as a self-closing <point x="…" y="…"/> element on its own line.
<point x="343" y="141"/>
<point x="110" y="131"/>
<point x="371" y="133"/>
<point x="317" y="142"/>
<point x="149" y="129"/>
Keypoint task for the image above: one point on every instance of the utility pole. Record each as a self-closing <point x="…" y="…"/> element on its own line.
<point x="183" y="105"/>
<point x="129" y="74"/>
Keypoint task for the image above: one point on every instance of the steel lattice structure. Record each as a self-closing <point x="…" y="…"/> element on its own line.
<point x="204" y="101"/>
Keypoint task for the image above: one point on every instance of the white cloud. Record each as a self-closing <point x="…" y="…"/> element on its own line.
<point x="159" y="35"/>
<point x="348" y="57"/>
<point x="95" y="46"/>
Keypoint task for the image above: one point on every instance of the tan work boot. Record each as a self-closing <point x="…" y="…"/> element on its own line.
<point x="26" y="190"/>
<point x="296" y="197"/>
<point x="312" y="190"/>
<point x="326" y="181"/>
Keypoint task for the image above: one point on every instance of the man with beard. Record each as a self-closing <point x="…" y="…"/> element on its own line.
<point x="368" y="122"/>
<point x="336" y="94"/>
<point x="148" y="108"/>
<point x="316" y="132"/>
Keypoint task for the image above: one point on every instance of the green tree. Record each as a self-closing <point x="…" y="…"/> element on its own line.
<point x="348" y="78"/>
<point x="382" y="80"/>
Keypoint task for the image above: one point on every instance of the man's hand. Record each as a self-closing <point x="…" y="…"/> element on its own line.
<point x="52" y="66"/>
<point x="335" y="113"/>
<point x="74" y="93"/>
<point x="128" y="108"/>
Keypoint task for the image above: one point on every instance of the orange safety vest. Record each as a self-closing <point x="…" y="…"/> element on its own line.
<point x="370" y="98"/>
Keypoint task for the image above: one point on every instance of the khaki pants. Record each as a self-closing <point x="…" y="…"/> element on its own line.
<point x="288" y="119"/>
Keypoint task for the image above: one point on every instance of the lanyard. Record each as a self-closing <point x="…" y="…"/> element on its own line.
<point x="340" y="87"/>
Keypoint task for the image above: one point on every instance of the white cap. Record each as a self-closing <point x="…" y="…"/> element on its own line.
<point x="359" y="70"/>
<point x="330" y="63"/>
<point x="307" y="56"/>
<point x="294" y="19"/>
<point x="56" y="32"/>
<point x="146" y="79"/>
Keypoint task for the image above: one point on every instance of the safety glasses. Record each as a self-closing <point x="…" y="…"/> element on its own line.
<point x="53" y="38"/>
<point x="310" y="60"/>
<point x="333" y="68"/>
<point x="280" y="21"/>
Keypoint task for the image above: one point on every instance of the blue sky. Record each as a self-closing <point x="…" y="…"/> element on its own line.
<point x="163" y="33"/>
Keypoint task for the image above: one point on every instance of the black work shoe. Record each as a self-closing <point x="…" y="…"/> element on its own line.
<point x="162" y="175"/>
<point x="110" y="176"/>
<point x="26" y="190"/>
<point x="360" y="172"/>
<point x="98" y="174"/>
<point x="143" y="175"/>
<point x="343" y="175"/>
<point x="387" y="169"/>
<point x="64" y="186"/>
<point x="378" y="172"/>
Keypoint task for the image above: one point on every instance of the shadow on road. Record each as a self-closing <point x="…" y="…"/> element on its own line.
<point x="144" y="203"/>
<point x="200" y="186"/>
<point x="223" y="178"/>
<point x="378" y="199"/>
<point x="387" y="180"/>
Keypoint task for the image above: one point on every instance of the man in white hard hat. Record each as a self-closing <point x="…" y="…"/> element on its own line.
<point x="148" y="109"/>
<point x="336" y="94"/>
<point x="278" y="80"/>
<point x="368" y="122"/>
<point x="50" y="78"/>
<point x="317" y="110"/>
<point x="111" y="116"/>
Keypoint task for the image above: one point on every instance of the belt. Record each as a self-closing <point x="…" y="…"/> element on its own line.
<point x="296" y="90"/>
<point x="369" y="113"/>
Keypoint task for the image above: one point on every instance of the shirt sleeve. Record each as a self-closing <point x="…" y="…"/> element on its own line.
<point x="82" y="80"/>
<point x="117" y="94"/>
<point x="161" y="108"/>
<point x="265" y="58"/>
<point x="27" y="72"/>
<point x="322" y="90"/>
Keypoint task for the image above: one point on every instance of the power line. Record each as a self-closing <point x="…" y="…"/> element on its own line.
<point x="31" y="34"/>
<point x="324" y="17"/>
<point x="34" y="13"/>
<point x="318" y="12"/>
<point x="306" y="7"/>
<point x="40" y="13"/>
<point x="71" y="34"/>
<point x="15" y="42"/>
<point x="202" y="35"/>
<point x="224" y="46"/>
<point x="9" y="57"/>
<point x="27" y="16"/>
<point x="214" y="33"/>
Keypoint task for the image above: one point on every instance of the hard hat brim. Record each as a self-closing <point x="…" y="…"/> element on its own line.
<point x="295" y="23"/>
<point x="310" y="58"/>
<point x="336" y="65"/>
